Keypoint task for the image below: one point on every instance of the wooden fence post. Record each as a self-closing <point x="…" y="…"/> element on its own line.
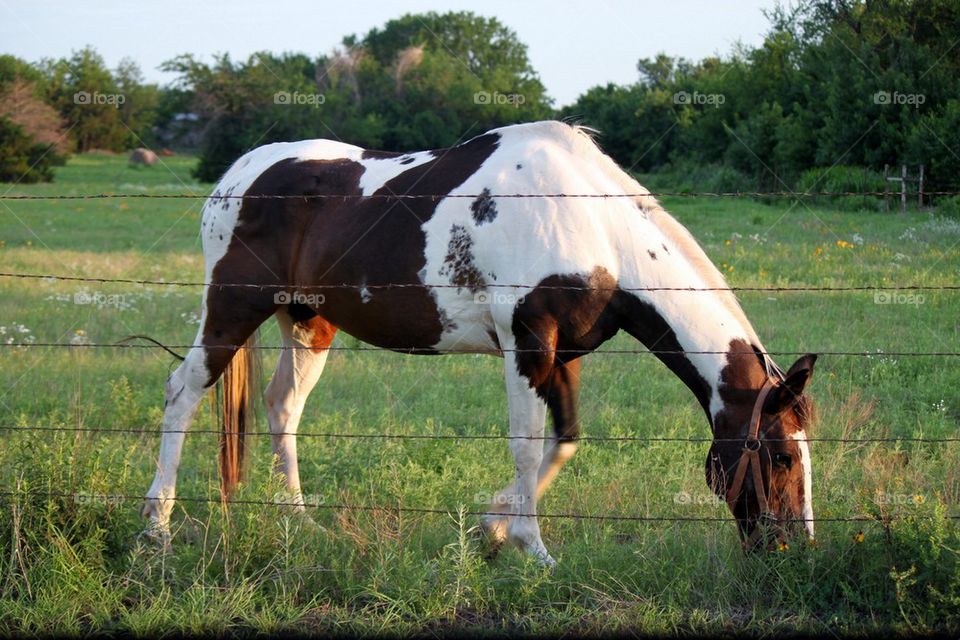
<point x="886" y="188"/>
<point x="903" y="188"/>
<point x="920" y="189"/>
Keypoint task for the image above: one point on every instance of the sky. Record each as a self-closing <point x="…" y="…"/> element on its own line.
<point x="573" y="45"/>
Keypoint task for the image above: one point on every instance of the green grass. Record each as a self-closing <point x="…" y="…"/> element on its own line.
<point x="72" y="566"/>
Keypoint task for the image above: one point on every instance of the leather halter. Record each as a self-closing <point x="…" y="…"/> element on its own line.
<point x="750" y="458"/>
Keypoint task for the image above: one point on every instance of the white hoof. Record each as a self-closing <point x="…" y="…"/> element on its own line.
<point x="158" y="535"/>
<point x="547" y="561"/>
<point x="542" y="556"/>
<point x="531" y="544"/>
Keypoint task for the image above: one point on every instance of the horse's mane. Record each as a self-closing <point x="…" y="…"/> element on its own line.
<point x="678" y="233"/>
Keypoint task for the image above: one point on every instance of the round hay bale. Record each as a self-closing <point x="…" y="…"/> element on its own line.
<point x="143" y="156"/>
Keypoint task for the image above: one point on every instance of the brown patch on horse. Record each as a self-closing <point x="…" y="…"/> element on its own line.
<point x="380" y="241"/>
<point x="322" y="334"/>
<point x="561" y="392"/>
<point x="562" y="318"/>
<point x="458" y="264"/>
<point x="580" y="319"/>
<point x="553" y="328"/>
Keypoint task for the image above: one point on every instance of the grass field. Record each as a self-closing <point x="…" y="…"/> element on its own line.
<point x="70" y="565"/>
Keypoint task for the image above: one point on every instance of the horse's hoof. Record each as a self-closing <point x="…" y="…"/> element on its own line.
<point x="546" y="561"/>
<point x="158" y="535"/>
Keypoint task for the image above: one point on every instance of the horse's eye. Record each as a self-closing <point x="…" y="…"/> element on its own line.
<point x="783" y="460"/>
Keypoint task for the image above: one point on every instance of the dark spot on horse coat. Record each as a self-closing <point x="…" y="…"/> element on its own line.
<point x="484" y="208"/>
<point x="458" y="264"/>
<point x="226" y="200"/>
<point x="312" y="242"/>
<point x="519" y="166"/>
<point x="665" y="248"/>
<point x="653" y="255"/>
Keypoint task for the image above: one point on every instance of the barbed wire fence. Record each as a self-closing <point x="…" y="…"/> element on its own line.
<point x="221" y="500"/>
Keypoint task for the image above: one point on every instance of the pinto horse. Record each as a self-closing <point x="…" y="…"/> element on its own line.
<point x="540" y="281"/>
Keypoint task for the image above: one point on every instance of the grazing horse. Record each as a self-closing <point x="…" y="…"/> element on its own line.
<point x="540" y="281"/>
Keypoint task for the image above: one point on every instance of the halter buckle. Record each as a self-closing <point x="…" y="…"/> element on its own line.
<point x="751" y="444"/>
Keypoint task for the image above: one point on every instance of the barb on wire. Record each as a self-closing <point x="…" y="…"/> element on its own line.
<point x="340" y="506"/>
<point x="472" y="196"/>
<point x="458" y="437"/>
<point x="445" y="285"/>
<point x="431" y="351"/>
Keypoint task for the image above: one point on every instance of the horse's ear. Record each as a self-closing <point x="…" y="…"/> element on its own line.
<point x="789" y="391"/>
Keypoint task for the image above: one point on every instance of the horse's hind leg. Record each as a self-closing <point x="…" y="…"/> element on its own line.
<point x="230" y="317"/>
<point x="306" y="346"/>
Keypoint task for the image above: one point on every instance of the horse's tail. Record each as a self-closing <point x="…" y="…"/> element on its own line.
<point x="238" y="390"/>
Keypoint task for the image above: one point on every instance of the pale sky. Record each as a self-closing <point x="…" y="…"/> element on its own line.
<point x="573" y="46"/>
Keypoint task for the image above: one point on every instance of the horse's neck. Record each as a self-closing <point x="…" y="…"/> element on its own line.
<point x="698" y="335"/>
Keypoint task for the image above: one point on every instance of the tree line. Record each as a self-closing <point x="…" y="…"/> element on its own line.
<point x="837" y="89"/>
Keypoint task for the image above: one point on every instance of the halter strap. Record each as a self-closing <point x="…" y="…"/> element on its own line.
<point x="750" y="458"/>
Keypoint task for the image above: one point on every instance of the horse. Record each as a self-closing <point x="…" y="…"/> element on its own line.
<point x="426" y="253"/>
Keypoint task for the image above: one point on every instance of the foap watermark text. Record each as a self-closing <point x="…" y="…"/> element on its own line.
<point x="295" y="297"/>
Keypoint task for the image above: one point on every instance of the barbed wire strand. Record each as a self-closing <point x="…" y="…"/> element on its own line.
<point x="428" y="436"/>
<point x="435" y="196"/>
<point x="431" y="351"/>
<point x="340" y="506"/>
<point x="421" y="285"/>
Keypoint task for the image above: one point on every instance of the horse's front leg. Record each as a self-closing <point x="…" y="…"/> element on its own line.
<point x="528" y="412"/>
<point x="183" y="392"/>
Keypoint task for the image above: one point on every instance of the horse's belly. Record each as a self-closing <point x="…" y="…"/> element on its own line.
<point x="410" y="319"/>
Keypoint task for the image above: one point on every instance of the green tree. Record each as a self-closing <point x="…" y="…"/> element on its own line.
<point x="103" y="109"/>
<point x="421" y="81"/>
<point x="22" y="160"/>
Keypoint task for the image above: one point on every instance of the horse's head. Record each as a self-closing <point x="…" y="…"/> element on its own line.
<point x="759" y="462"/>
